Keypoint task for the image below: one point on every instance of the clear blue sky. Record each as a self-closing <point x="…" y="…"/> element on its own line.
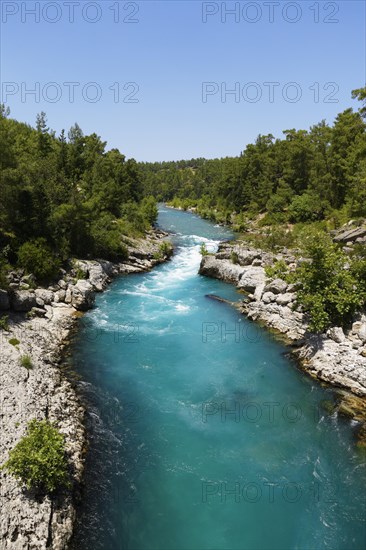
<point x="169" y="52"/>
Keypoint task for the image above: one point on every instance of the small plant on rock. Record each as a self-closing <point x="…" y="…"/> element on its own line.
<point x="234" y="258"/>
<point x="26" y="362"/>
<point x="14" y="341"/>
<point x="203" y="250"/>
<point x="166" y="248"/>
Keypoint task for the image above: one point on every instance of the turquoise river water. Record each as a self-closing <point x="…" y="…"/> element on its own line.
<point x="203" y="434"/>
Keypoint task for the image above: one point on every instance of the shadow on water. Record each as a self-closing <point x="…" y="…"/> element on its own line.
<point x="116" y="458"/>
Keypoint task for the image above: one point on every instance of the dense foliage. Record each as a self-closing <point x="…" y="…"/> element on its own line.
<point x="67" y="196"/>
<point x="306" y="176"/>
<point x="38" y="461"/>
<point x="332" y="286"/>
<point x="63" y="196"/>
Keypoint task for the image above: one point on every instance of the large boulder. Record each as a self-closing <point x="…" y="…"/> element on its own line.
<point x="243" y="256"/>
<point x="351" y="235"/>
<point x="277" y="286"/>
<point x="62" y="284"/>
<point x="4" y="300"/>
<point x="60" y="296"/>
<point x="275" y="316"/>
<point x="359" y="328"/>
<point x="287" y="298"/>
<point x="23" y="300"/>
<point x="220" y="269"/>
<point x="98" y="275"/>
<point x="44" y="297"/>
<point x="82" y="295"/>
<point x="38" y="312"/>
<point x="336" y="334"/>
<point x="268" y="297"/>
<point x="251" y="278"/>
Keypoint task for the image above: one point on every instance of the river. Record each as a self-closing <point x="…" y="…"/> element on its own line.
<point x="203" y="434"/>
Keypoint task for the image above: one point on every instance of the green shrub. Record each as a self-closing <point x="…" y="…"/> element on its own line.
<point x="4" y="322"/>
<point x="14" y="341"/>
<point x="240" y="223"/>
<point x="36" y="257"/>
<point x="332" y="285"/>
<point x="4" y="283"/>
<point x="133" y="214"/>
<point x="166" y="248"/>
<point x="305" y="208"/>
<point x="26" y="362"/>
<point x="276" y="238"/>
<point x="39" y="461"/>
<point x="149" y="209"/>
<point x="358" y="270"/>
<point x="272" y="218"/>
<point x="4" y="267"/>
<point x="107" y="239"/>
<point x="80" y="274"/>
<point x="278" y="270"/>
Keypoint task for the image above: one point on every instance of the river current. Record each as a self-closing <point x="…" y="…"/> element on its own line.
<point x="203" y="434"/>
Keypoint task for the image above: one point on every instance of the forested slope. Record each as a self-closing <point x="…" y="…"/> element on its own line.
<point x="65" y="196"/>
<point x="308" y="175"/>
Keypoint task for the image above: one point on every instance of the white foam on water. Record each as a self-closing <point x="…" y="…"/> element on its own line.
<point x="182" y="308"/>
<point x="152" y="303"/>
<point x="184" y="265"/>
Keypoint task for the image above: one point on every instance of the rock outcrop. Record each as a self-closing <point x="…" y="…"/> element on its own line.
<point x="336" y="357"/>
<point x="40" y="392"/>
<point x="40" y="321"/>
<point x="23" y="300"/>
<point x="82" y="295"/>
<point x="351" y="235"/>
<point x="221" y="269"/>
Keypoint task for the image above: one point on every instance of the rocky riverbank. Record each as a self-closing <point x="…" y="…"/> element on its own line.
<point x="337" y="357"/>
<point x="39" y="323"/>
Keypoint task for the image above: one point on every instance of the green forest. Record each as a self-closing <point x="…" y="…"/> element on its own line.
<point x="68" y="196"/>
<point x="307" y="176"/>
<point x="65" y="196"/>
